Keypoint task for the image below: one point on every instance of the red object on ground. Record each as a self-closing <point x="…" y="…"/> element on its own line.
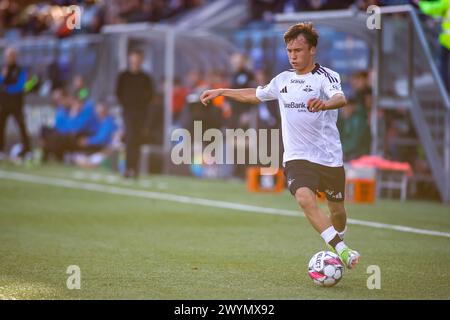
<point x="382" y="164"/>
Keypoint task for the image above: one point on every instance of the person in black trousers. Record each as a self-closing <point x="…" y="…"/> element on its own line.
<point x="12" y="82"/>
<point x="134" y="91"/>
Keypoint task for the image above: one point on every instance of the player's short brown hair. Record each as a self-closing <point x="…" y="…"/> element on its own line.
<point x="303" y="28"/>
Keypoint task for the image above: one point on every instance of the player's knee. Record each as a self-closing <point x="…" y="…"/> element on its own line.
<point x="305" y="198"/>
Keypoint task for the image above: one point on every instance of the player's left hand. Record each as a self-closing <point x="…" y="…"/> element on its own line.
<point x="209" y="95"/>
<point x="316" y="105"/>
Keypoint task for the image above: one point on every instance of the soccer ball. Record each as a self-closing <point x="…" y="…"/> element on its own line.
<point x="325" y="268"/>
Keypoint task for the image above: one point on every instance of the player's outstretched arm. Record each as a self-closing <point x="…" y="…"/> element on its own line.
<point x="247" y="95"/>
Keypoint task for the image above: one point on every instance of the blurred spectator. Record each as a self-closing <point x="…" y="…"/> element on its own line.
<point x="194" y="81"/>
<point x="242" y="78"/>
<point x="83" y="120"/>
<point x="263" y="9"/>
<point x="441" y="9"/>
<point x="354" y="131"/>
<point x="52" y="138"/>
<point x="12" y="84"/>
<point x="134" y="91"/>
<point x="327" y="4"/>
<point x="9" y="14"/>
<point x="155" y="118"/>
<point x="93" y="16"/>
<point x="217" y="80"/>
<point x="211" y="115"/>
<point x="32" y="83"/>
<point x="78" y="126"/>
<point x="50" y="17"/>
<point x="268" y="111"/>
<point x="94" y="150"/>
<point x="354" y="119"/>
<point x="61" y="99"/>
<point x="35" y="20"/>
<point x="102" y="138"/>
<point x="79" y="88"/>
<point x="401" y="140"/>
<point x="180" y="93"/>
<point x="362" y="92"/>
<point x="195" y="84"/>
<point x="364" y="4"/>
<point x="131" y="11"/>
<point x="72" y="124"/>
<point x="242" y="115"/>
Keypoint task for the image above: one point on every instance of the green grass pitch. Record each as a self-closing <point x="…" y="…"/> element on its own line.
<point x="136" y="248"/>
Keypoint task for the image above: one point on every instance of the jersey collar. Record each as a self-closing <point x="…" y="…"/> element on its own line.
<point x="313" y="71"/>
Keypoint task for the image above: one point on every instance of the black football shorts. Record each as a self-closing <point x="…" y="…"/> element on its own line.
<point x="303" y="173"/>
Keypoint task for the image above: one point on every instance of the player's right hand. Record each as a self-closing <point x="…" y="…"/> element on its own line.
<point x="208" y="95"/>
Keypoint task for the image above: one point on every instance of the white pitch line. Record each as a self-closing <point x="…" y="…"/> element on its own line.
<point x="197" y="201"/>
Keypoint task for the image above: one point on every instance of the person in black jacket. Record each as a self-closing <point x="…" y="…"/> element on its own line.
<point x="134" y="91"/>
<point x="12" y="83"/>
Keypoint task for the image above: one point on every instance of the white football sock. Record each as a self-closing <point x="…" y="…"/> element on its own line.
<point x="328" y="234"/>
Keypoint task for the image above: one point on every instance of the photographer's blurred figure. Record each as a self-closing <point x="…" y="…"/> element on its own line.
<point x="134" y="91"/>
<point x="12" y="84"/>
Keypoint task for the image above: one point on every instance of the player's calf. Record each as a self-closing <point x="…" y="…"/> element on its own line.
<point x="338" y="217"/>
<point x="307" y="201"/>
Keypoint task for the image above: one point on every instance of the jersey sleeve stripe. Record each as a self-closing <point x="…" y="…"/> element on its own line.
<point x="326" y="74"/>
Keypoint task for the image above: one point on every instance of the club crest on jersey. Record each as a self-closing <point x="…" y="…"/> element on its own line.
<point x="308" y="88"/>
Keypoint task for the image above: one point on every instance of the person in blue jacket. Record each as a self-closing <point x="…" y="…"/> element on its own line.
<point x="12" y="84"/>
<point x="103" y="136"/>
<point x="62" y="120"/>
<point x="82" y="118"/>
<point x="52" y="136"/>
<point x="74" y="120"/>
<point x="82" y="122"/>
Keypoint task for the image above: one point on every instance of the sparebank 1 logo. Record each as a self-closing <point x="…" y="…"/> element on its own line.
<point x="73" y="14"/>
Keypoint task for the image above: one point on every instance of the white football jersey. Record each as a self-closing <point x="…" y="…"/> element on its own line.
<point x="306" y="135"/>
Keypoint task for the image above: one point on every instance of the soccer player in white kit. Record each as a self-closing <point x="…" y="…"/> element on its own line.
<point x="309" y="96"/>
